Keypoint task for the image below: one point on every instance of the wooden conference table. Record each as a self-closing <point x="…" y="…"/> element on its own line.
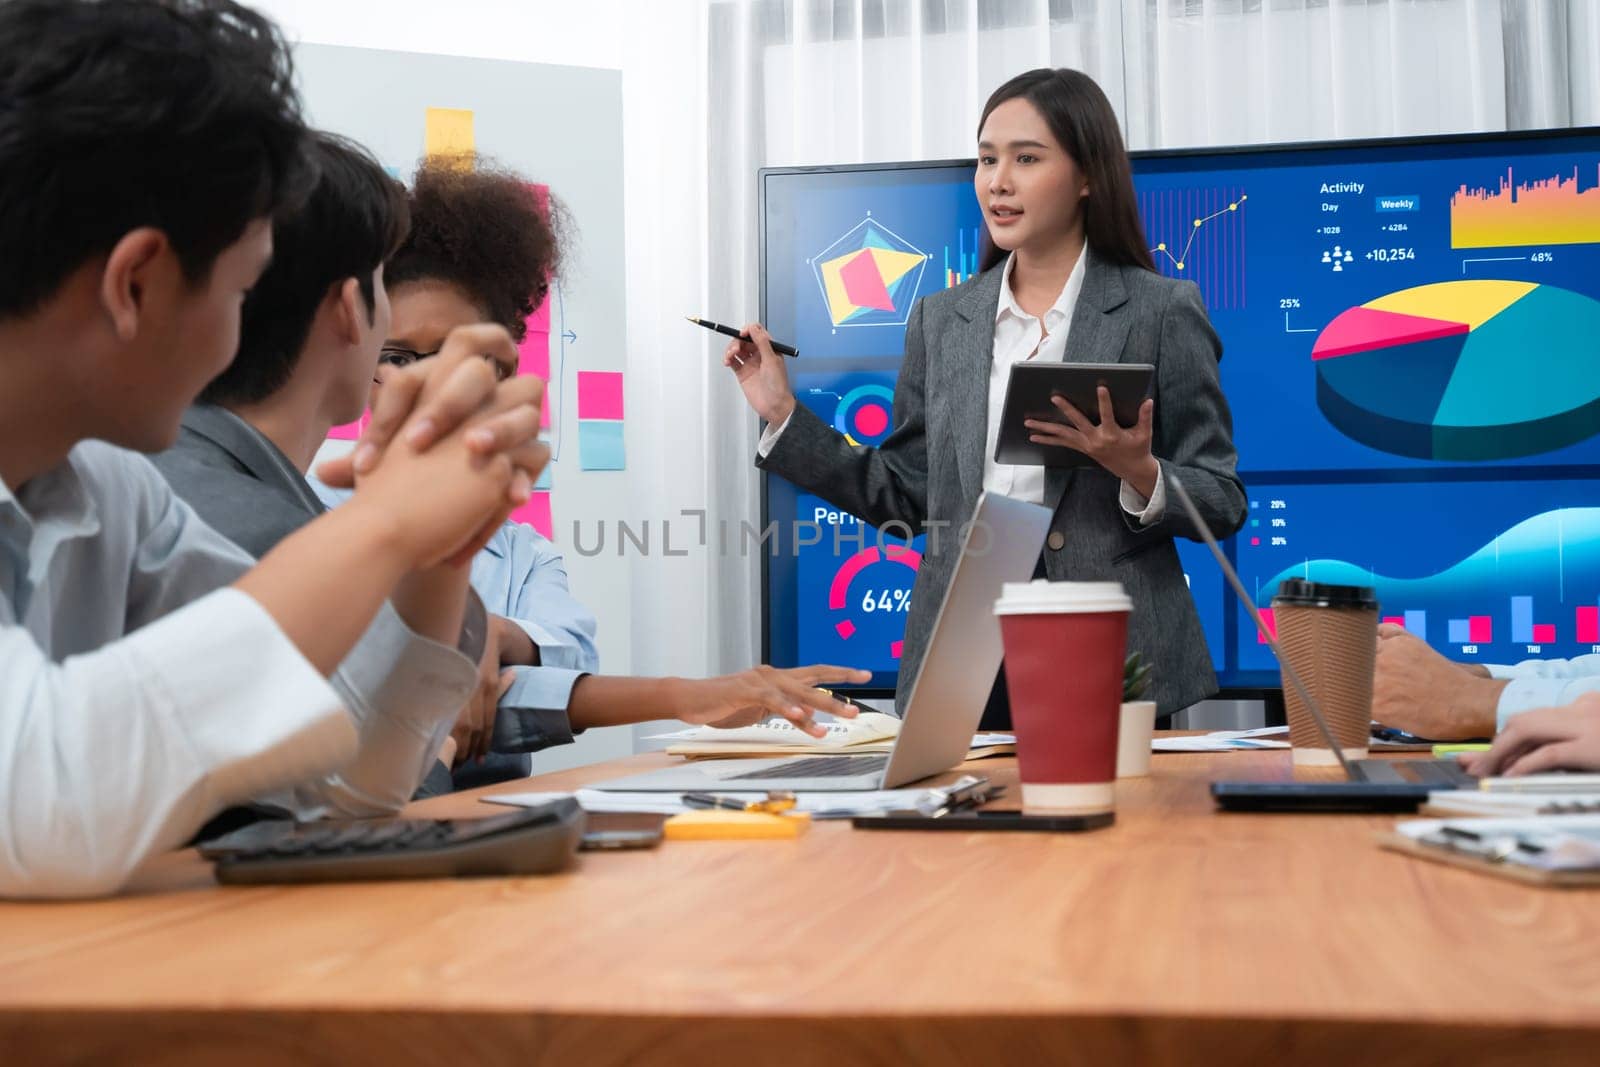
<point x="1178" y="936"/>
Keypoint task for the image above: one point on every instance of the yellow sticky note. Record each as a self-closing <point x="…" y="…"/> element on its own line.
<point x="449" y="133"/>
<point x="733" y="825"/>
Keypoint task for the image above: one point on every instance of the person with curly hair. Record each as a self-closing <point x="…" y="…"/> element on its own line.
<point x="483" y="249"/>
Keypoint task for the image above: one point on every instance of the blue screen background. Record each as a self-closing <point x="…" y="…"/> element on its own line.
<point x="1496" y="536"/>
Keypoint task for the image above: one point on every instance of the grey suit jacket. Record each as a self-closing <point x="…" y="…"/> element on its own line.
<point x="930" y="468"/>
<point x="246" y="489"/>
<point x="240" y="482"/>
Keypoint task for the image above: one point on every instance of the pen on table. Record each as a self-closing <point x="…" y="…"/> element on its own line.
<point x="777" y="802"/>
<point x="717" y="327"/>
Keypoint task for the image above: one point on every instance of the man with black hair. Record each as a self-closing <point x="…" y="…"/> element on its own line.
<point x="309" y="341"/>
<point x="144" y="147"/>
<point x="308" y="348"/>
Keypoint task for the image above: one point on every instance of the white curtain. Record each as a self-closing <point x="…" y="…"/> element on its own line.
<point x="719" y="88"/>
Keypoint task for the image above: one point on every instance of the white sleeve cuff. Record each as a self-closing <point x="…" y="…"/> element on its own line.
<point x="554" y="649"/>
<point x="404" y="692"/>
<point x="770" y="435"/>
<point x="1525" y="694"/>
<point x="1148" y="512"/>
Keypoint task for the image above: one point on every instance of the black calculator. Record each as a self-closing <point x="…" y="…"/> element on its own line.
<point x="537" y="840"/>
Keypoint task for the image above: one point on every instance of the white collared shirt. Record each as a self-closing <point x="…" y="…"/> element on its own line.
<point x="139" y="695"/>
<point x="1021" y="337"/>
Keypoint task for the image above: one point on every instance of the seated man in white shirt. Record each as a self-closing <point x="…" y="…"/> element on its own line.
<point x="140" y="692"/>
<point x="1419" y="691"/>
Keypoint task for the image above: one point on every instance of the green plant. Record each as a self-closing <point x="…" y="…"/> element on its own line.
<point x="1135" y="678"/>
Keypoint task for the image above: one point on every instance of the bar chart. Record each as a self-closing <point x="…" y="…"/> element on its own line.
<point x="961" y="262"/>
<point x="1520" y="577"/>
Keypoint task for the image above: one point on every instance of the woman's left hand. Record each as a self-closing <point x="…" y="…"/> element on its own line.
<point x="1123" y="452"/>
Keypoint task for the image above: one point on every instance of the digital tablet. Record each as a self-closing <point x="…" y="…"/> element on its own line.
<point x="1028" y="393"/>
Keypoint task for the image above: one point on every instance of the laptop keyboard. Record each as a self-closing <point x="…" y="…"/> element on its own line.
<point x="1447" y="774"/>
<point x="819" y="767"/>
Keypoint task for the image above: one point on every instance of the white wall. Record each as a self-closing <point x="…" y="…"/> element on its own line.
<point x="591" y="33"/>
<point x="578" y="33"/>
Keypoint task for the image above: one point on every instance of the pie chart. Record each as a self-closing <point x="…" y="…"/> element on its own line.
<point x="1464" y="371"/>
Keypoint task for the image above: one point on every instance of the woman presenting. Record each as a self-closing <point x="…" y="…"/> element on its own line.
<point x="1067" y="275"/>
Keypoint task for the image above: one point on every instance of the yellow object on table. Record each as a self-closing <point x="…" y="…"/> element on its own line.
<point x="1452" y="751"/>
<point x="733" y="825"/>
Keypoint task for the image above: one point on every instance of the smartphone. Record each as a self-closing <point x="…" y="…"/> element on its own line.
<point x="968" y="821"/>
<point x="612" y="831"/>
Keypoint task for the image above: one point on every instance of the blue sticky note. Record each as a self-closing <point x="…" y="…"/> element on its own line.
<point x="600" y="445"/>
<point x="544" y="478"/>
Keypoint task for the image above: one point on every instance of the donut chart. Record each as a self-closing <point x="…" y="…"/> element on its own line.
<point x="1463" y="370"/>
<point x="889" y="595"/>
<point x="863" y="414"/>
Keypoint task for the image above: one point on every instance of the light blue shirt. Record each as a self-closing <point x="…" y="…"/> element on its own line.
<point x="139" y="695"/>
<point x="1543" y="683"/>
<point x="519" y="575"/>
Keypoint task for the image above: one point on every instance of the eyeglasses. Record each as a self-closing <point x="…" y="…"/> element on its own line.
<point x="404" y="357"/>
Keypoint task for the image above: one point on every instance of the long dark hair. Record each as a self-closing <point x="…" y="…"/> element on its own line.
<point x="1080" y="117"/>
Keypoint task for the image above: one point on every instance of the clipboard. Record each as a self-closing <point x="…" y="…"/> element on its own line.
<point x="1028" y="393"/>
<point x="1473" y="847"/>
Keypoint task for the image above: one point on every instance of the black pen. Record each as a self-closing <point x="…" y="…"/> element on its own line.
<point x="777" y="346"/>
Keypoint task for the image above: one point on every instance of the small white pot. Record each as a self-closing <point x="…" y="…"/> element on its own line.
<point x="1134" y="735"/>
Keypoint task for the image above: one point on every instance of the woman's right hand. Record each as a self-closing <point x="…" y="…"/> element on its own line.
<point x="766" y="692"/>
<point x="761" y="374"/>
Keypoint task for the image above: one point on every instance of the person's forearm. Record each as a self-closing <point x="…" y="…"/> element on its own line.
<point x="1479" y="714"/>
<point x="516" y="647"/>
<point x="431" y="602"/>
<point x="1143" y="479"/>
<point x="601" y="701"/>
<point x="348" y="550"/>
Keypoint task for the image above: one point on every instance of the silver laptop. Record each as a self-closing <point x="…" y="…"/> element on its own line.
<point x="947" y="699"/>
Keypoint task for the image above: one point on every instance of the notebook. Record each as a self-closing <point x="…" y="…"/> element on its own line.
<point x="781" y="737"/>
<point x="871" y="731"/>
<point x="1476" y="802"/>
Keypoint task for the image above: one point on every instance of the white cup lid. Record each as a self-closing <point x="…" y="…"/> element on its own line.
<point x="1044" y="597"/>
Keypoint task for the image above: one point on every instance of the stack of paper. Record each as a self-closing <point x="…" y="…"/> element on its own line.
<point x="1223" y="741"/>
<point x="1478" y="802"/>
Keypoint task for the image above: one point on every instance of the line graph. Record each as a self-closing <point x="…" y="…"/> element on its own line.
<point x="1199" y="235"/>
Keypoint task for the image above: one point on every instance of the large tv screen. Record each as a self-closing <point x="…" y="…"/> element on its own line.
<point x="1411" y="349"/>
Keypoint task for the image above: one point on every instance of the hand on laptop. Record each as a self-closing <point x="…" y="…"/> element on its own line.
<point x="1549" y="739"/>
<point x="1419" y="691"/>
<point x="762" y="692"/>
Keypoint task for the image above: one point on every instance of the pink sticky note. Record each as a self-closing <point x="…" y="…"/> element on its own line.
<point x="533" y="357"/>
<point x="536" y="513"/>
<point x="351" y="431"/>
<point x="599" y="394"/>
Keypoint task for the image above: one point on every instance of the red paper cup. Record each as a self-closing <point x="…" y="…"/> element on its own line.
<point x="1065" y="643"/>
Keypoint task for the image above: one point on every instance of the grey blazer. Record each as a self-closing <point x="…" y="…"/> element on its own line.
<point x="246" y="489"/>
<point x="242" y="485"/>
<point x="930" y="468"/>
